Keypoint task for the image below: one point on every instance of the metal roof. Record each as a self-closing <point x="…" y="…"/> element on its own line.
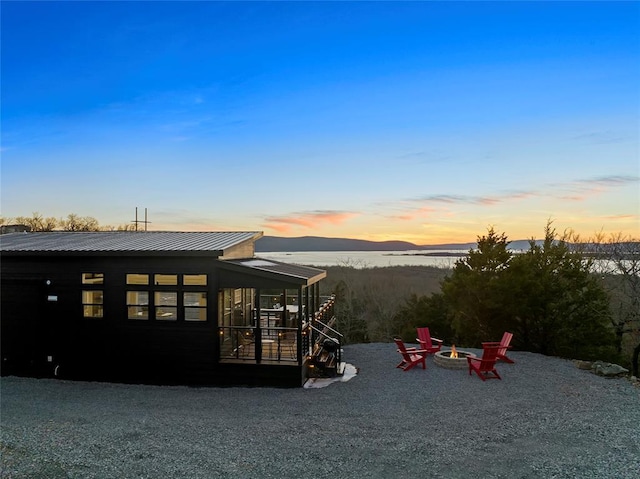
<point x="121" y="242"/>
<point x="300" y="274"/>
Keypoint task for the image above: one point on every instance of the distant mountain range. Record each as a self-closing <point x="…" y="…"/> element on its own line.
<point x="317" y="243"/>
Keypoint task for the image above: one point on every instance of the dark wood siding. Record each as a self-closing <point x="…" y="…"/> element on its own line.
<point x="46" y="338"/>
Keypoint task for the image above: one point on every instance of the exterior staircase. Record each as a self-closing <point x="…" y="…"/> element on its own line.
<point x="325" y="360"/>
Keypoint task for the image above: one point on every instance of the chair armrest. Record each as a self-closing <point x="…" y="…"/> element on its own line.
<point x="437" y="340"/>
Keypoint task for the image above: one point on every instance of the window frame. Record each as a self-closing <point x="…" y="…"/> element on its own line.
<point x="92" y="283"/>
<point x="160" y="283"/>
<point x="197" y="308"/>
<point x="142" y="306"/>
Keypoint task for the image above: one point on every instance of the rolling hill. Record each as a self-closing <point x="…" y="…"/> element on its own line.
<point x="317" y="243"/>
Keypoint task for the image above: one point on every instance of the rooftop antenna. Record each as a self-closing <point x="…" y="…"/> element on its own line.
<point x="137" y="221"/>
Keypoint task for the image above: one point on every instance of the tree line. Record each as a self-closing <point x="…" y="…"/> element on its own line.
<point x="72" y="222"/>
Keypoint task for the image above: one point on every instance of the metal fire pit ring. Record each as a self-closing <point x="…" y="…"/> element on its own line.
<point x="442" y="359"/>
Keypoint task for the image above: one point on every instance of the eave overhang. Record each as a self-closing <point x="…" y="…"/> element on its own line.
<point x="275" y="270"/>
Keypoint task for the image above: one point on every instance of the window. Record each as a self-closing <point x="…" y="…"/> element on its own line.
<point x="166" y="305"/>
<point x="165" y="279"/>
<point x="92" y="278"/>
<point x="92" y="304"/>
<point x="195" y="280"/>
<point x="137" y="278"/>
<point x="167" y="297"/>
<point x="92" y="299"/>
<point x="195" y="306"/>
<point x="138" y="304"/>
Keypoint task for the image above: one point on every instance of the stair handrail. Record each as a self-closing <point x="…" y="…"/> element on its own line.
<point x="326" y="326"/>
<point x="337" y="341"/>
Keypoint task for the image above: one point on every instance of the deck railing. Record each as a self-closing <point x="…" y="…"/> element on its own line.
<point x="247" y="343"/>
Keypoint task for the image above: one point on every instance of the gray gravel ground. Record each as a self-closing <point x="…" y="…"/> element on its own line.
<point x="545" y="419"/>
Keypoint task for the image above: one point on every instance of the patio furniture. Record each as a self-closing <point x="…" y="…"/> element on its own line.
<point x="410" y="356"/>
<point x="485" y="367"/>
<point x="431" y="345"/>
<point x="504" y="345"/>
<point x="244" y="341"/>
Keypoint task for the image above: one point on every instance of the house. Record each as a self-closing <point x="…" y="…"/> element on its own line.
<point x="162" y="308"/>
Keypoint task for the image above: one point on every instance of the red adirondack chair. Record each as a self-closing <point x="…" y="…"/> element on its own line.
<point x="431" y="345"/>
<point x="485" y="367"/>
<point x="503" y="346"/>
<point x="410" y="356"/>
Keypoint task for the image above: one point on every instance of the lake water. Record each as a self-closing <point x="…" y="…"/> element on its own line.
<point x="379" y="259"/>
<point x="368" y="259"/>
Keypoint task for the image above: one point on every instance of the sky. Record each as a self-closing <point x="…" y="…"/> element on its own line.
<point x="427" y="122"/>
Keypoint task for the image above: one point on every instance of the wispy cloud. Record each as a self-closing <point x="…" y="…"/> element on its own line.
<point x="576" y="190"/>
<point x="473" y="200"/>
<point x="412" y="214"/>
<point x="426" y="157"/>
<point x="580" y="190"/>
<point x="307" y="220"/>
<point x="611" y="181"/>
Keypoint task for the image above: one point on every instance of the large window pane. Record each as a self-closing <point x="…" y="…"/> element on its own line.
<point x="195" y="314"/>
<point x="195" y="306"/>
<point x="93" y="310"/>
<point x="195" y="299"/>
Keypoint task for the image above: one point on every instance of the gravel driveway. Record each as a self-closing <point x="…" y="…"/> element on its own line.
<point x="545" y="419"/>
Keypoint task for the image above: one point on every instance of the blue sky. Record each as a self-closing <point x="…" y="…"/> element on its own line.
<point x="419" y="121"/>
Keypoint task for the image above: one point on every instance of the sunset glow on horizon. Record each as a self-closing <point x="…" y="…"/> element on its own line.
<point x="426" y="122"/>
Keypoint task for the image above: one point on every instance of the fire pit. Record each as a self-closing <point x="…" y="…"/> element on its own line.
<point x="452" y="359"/>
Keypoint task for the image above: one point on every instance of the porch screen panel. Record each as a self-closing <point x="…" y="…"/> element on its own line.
<point x="224" y="307"/>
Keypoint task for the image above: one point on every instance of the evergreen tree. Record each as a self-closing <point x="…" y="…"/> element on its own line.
<point x="559" y="307"/>
<point x="477" y="293"/>
<point x="424" y="311"/>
